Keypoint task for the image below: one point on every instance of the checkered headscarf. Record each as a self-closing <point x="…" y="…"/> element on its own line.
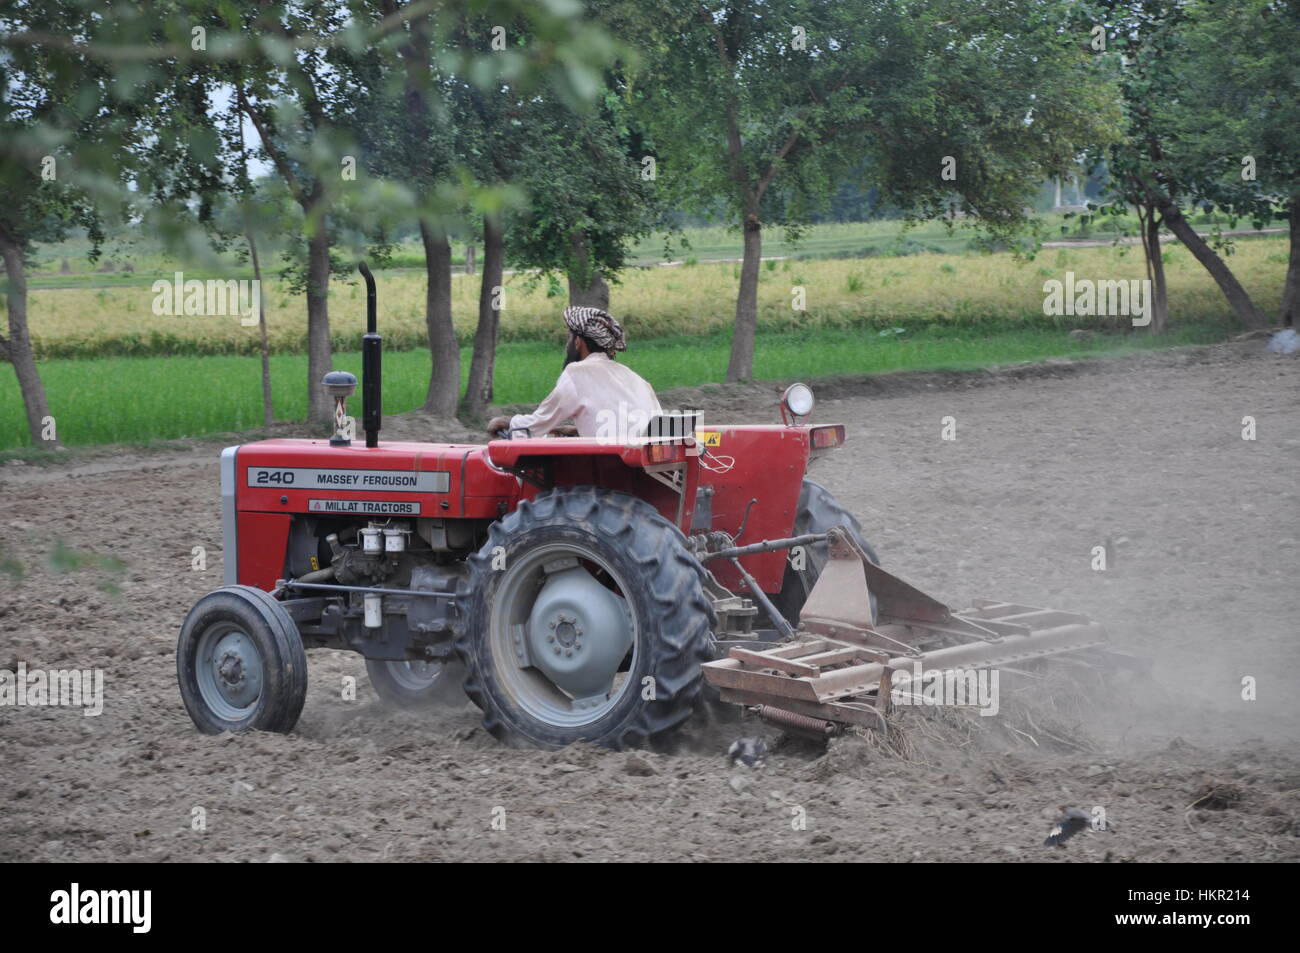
<point x="597" y="326"/>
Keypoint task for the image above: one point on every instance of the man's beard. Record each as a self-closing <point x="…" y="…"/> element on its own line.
<point x="571" y="353"/>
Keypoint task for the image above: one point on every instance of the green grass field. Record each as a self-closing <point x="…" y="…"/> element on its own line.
<point x="116" y="372"/>
<point x="137" y="400"/>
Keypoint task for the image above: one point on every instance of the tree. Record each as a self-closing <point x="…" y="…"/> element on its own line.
<point x="301" y="89"/>
<point x="486" y="141"/>
<point x="61" y="147"/>
<point x="250" y="217"/>
<point x="194" y="169"/>
<point x="590" y="194"/>
<point x="292" y="101"/>
<point x="960" y="107"/>
<point x="1236" y="122"/>
<point x="744" y="89"/>
<point x="492" y="102"/>
<point x="410" y="140"/>
<point x="292" y="66"/>
<point x="433" y="87"/>
<point x="1136" y="42"/>
<point x="1163" y="164"/>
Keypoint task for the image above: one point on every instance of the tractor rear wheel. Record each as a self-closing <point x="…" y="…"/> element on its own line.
<point x="818" y="512"/>
<point x="240" y="663"/>
<point x="583" y="618"/>
<point x="417" y="684"/>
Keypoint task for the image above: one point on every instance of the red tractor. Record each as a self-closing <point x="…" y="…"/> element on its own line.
<point x="573" y="588"/>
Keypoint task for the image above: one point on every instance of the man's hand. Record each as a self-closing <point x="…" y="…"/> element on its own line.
<point x="564" y="430"/>
<point x="498" y="423"/>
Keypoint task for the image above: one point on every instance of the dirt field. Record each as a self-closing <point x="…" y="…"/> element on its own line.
<point x="1145" y="455"/>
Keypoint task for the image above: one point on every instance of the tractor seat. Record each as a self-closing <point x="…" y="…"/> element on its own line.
<point x="672" y="428"/>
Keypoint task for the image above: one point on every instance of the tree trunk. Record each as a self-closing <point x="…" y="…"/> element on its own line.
<point x="469" y="258"/>
<point x="320" y="407"/>
<point x="444" y="352"/>
<point x="1237" y="297"/>
<point x="587" y="286"/>
<point x="17" y="349"/>
<point x="1159" y="294"/>
<point x="741" y="365"/>
<point x="478" y="391"/>
<point x="444" y="381"/>
<point x="268" y="408"/>
<point x="1150" y="222"/>
<point x="1291" y="290"/>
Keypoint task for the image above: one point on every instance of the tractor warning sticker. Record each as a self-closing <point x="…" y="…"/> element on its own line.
<point x="308" y="478"/>
<point x="709" y="438"/>
<point x="363" y="506"/>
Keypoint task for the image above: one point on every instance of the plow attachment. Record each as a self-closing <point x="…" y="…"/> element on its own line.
<point x="863" y="630"/>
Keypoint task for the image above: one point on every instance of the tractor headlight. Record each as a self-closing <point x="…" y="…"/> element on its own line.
<point x="797" y="400"/>
<point x="339" y="384"/>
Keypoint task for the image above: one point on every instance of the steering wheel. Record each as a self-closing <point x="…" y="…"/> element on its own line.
<point x="505" y="433"/>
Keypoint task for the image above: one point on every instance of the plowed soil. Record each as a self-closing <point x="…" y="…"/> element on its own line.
<point x="1144" y="456"/>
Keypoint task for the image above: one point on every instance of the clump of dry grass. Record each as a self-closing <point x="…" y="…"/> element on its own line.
<point x="1047" y="712"/>
<point x="1217" y="795"/>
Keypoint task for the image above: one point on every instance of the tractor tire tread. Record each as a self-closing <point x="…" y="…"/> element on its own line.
<point x="284" y="660"/>
<point x="682" y="628"/>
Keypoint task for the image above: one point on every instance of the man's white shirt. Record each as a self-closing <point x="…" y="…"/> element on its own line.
<point x="603" y="398"/>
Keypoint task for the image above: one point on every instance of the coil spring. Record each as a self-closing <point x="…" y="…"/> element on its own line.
<point x="804" y="724"/>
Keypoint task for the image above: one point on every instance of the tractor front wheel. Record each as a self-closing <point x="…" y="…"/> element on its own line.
<point x="584" y="618"/>
<point x="240" y="663"/>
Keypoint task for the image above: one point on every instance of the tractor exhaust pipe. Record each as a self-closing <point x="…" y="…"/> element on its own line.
<point x="371" y="374"/>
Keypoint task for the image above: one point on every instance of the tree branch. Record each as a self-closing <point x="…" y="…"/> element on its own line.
<point x="735" y="146"/>
<point x="781" y="153"/>
<point x="278" y="157"/>
<point x="237" y="48"/>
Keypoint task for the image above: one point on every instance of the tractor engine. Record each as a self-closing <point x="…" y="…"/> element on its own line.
<point x="409" y="571"/>
<point x="381" y="557"/>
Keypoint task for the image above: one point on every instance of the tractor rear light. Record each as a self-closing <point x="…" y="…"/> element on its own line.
<point x="823" y="438"/>
<point x="661" y="452"/>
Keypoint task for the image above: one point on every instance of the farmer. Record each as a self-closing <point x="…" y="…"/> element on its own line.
<point x="602" y="397"/>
